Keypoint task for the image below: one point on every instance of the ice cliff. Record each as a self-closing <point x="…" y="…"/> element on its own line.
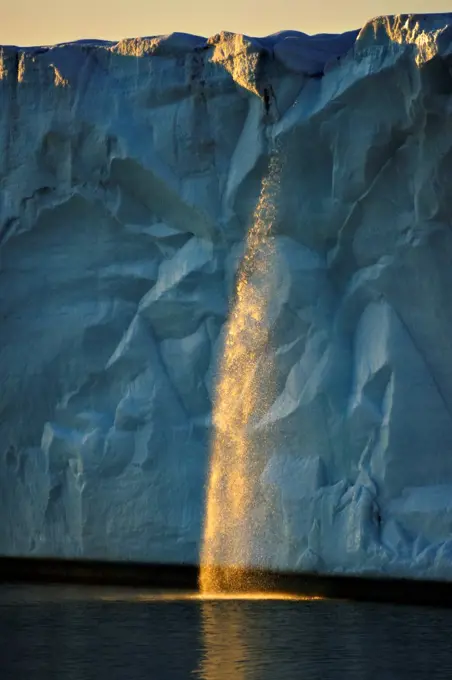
<point x="129" y="173"/>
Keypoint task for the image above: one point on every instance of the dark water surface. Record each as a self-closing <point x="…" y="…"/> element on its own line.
<point x="88" y="634"/>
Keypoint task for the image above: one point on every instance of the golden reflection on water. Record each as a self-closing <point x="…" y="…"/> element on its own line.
<point x="58" y="593"/>
<point x="233" y="517"/>
<point x="225" y="644"/>
<point x="181" y="596"/>
<point x="235" y="637"/>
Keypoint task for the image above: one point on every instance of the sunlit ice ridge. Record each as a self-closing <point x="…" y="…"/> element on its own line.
<point x="297" y="51"/>
<point x="164" y="199"/>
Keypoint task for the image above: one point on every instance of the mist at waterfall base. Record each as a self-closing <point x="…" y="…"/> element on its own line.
<point x="98" y="635"/>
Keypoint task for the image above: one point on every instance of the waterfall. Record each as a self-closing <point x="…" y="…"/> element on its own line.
<point x="236" y="513"/>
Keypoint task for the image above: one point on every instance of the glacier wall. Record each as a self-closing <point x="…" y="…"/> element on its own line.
<point x="129" y="173"/>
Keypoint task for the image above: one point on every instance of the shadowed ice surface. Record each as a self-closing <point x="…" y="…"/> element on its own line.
<point x="130" y="174"/>
<point x="97" y="634"/>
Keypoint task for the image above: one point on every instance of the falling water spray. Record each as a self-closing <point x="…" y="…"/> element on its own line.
<point x="236" y="513"/>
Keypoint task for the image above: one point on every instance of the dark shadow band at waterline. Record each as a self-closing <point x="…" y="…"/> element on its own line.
<point x="182" y="577"/>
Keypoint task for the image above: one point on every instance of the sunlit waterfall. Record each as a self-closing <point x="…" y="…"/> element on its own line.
<point x="236" y="514"/>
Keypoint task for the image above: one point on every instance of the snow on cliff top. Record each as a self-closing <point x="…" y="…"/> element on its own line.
<point x="298" y="51"/>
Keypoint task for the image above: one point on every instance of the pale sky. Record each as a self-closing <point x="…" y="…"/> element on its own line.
<point x="43" y="22"/>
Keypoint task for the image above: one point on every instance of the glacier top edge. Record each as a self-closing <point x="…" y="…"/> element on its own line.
<point x="400" y="28"/>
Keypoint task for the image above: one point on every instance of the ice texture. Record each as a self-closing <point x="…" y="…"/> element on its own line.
<point x="129" y="173"/>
